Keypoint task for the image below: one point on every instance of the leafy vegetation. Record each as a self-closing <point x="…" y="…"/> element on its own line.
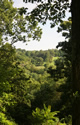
<point x="25" y="81"/>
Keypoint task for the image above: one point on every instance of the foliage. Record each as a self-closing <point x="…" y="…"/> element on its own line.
<point x="6" y="62"/>
<point x="5" y="121"/>
<point x="24" y="78"/>
<point x="47" y="86"/>
<point x="20" y="91"/>
<point x="45" y="116"/>
<point x="15" y="27"/>
<point x="48" y="89"/>
<point x="49" y="10"/>
<point x="63" y="70"/>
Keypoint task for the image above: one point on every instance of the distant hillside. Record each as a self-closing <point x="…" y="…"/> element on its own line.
<point x="38" y="57"/>
<point x="37" y="62"/>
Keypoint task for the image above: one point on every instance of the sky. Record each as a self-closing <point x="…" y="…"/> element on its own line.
<point x="49" y="39"/>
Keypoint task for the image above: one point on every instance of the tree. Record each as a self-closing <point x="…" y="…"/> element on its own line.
<point x="62" y="72"/>
<point x="76" y="59"/>
<point x="7" y="58"/>
<point x="13" y="27"/>
<point x="48" y="89"/>
<point x="7" y="72"/>
<point x="12" y="24"/>
<point x="16" y="89"/>
<point x="45" y="116"/>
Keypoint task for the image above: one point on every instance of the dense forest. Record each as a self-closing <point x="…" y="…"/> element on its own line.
<point x="30" y="94"/>
<point x="39" y="87"/>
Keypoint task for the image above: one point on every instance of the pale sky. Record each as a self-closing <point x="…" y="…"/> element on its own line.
<point x="50" y="37"/>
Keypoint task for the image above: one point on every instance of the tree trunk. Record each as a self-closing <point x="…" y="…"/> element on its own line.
<point x="76" y="59"/>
